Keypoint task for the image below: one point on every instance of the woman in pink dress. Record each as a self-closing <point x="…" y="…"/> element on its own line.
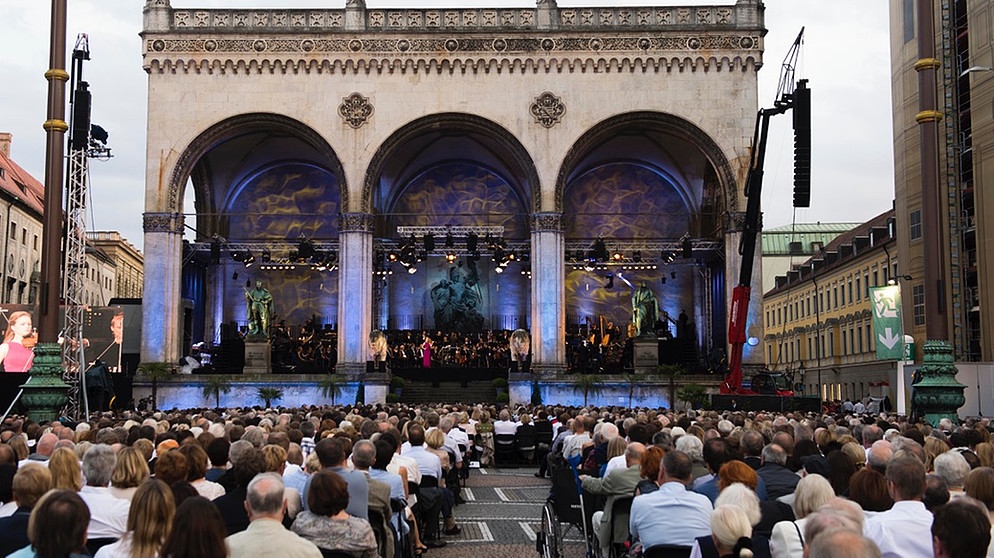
<point x="15" y="356"/>
<point x="426" y="353"/>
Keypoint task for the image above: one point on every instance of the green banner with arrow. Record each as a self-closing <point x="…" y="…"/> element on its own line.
<point x="887" y="326"/>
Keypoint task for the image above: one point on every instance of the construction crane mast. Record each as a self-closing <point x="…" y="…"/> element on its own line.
<point x="85" y="141"/>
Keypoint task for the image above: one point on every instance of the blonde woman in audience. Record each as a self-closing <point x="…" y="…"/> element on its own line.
<point x="813" y="491"/>
<point x="985" y="453"/>
<point x="65" y="469"/>
<point x="129" y="473"/>
<point x="150" y="520"/>
<point x="275" y="459"/>
<point x="744" y="498"/>
<point x="731" y="532"/>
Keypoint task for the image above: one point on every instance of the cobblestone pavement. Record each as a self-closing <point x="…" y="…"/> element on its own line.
<point x="502" y="514"/>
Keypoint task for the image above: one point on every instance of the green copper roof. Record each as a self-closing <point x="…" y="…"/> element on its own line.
<point x="777" y="240"/>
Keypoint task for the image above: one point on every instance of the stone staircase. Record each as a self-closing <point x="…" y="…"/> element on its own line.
<point x="448" y="392"/>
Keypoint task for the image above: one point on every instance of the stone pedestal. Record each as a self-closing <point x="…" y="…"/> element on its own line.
<point x="258" y="357"/>
<point x="646" y="355"/>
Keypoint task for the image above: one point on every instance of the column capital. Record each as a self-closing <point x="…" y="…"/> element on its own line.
<point x="357" y="222"/>
<point x="163" y="222"/>
<point x="735" y="221"/>
<point x="547" y="222"/>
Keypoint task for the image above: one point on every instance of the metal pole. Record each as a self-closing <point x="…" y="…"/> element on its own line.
<point x="55" y="128"/>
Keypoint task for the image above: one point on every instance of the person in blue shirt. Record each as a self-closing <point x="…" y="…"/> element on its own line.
<point x="672" y="515"/>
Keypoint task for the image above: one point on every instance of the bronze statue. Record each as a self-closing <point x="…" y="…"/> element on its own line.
<point x="644" y="311"/>
<point x="260" y="310"/>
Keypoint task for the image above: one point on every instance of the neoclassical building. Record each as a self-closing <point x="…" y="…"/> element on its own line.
<point x="319" y="141"/>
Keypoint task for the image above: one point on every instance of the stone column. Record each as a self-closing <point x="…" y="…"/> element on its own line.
<point x="752" y="356"/>
<point x="162" y="318"/>
<point x="355" y="291"/>
<point x="548" y="304"/>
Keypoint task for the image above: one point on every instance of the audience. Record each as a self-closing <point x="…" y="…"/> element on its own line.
<point x="326" y="522"/>
<point x="804" y="460"/>
<point x="265" y="535"/>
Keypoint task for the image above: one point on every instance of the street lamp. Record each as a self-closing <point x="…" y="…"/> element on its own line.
<point x="801" y="370"/>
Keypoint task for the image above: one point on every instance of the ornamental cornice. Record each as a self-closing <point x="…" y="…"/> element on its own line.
<point x="577" y="63"/>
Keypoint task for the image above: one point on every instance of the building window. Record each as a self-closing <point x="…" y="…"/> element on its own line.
<point x="36" y="243"/>
<point x="909" y="20"/>
<point x="859" y="336"/>
<point x="845" y="346"/>
<point x="859" y="293"/>
<point x="849" y="288"/>
<point x="808" y="308"/>
<point x="24" y="236"/>
<point x="918" y="300"/>
<point x="13" y="231"/>
<point x="916" y="224"/>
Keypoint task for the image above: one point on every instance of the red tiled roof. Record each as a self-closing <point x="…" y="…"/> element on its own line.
<point x="17" y="182"/>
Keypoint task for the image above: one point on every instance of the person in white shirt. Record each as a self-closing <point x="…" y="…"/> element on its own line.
<point x="108" y="514"/>
<point x="504" y="424"/>
<point x="903" y="530"/>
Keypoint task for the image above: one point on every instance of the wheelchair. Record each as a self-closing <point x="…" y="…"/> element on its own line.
<point x="564" y="511"/>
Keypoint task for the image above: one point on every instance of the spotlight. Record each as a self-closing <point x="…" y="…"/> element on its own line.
<point x="599" y="250"/>
<point x="449" y="241"/>
<point x="617" y="256"/>
<point x="525" y="256"/>
<point x="429" y="240"/>
<point x="637" y="256"/>
<point x="249" y="259"/>
<point x="305" y="250"/>
<point x="450" y="257"/>
<point x="412" y="270"/>
<point x="471" y="241"/>
<point x="392" y="256"/>
<point x="499" y="269"/>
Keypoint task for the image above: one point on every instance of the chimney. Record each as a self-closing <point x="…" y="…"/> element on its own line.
<point x="5" y="138"/>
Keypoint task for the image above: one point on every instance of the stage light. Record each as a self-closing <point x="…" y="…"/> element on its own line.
<point x="471" y="241"/>
<point x="525" y="256"/>
<point x="249" y="259"/>
<point x="412" y="270"/>
<point x="598" y="251"/>
<point x="450" y="257"/>
<point x="499" y="269"/>
<point x="305" y="250"/>
<point x="637" y="256"/>
<point x="429" y="240"/>
<point x="617" y="256"/>
<point x="449" y="241"/>
<point x="392" y="256"/>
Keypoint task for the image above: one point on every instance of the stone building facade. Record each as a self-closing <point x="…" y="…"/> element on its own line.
<point x="350" y="124"/>
<point x="128" y="262"/>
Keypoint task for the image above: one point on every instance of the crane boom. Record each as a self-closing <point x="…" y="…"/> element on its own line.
<point x="787" y="98"/>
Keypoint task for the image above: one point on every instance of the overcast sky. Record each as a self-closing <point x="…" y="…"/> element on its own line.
<point x="845" y="56"/>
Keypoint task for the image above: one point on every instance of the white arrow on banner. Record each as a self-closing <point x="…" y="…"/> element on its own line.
<point x="889" y="338"/>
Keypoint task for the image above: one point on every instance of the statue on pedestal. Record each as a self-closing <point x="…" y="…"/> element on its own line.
<point x="260" y="310"/>
<point x="520" y="345"/>
<point x="645" y="311"/>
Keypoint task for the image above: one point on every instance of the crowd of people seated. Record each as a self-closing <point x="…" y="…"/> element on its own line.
<point x="488" y="349"/>
<point x="379" y="480"/>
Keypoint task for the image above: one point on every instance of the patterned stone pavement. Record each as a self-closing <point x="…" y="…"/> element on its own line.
<point x="501" y="516"/>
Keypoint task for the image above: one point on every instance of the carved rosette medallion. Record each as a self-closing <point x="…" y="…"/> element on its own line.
<point x="355" y="110"/>
<point x="547" y="222"/>
<point x="357" y="222"/>
<point x="163" y="222"/>
<point x="548" y="109"/>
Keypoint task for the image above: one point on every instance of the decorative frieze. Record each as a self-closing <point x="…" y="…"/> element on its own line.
<point x="355" y="110"/>
<point x="224" y="44"/>
<point x="163" y="222"/>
